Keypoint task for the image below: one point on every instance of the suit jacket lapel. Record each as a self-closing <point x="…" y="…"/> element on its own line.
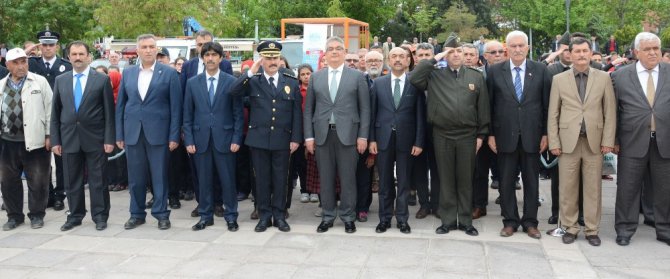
<point x="281" y="82"/>
<point x="589" y="84"/>
<point x="344" y="76"/>
<point x="508" y="76"/>
<point x="154" y="78"/>
<point x="203" y="83"/>
<point x="405" y="90"/>
<point x="219" y="88"/>
<point x="69" y="88"/>
<point x="92" y="76"/>
<point x="527" y="79"/>
<point x="663" y="74"/>
<point x="635" y="80"/>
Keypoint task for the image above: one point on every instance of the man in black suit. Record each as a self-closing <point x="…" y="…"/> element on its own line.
<point x="82" y="131"/>
<point x="519" y="90"/>
<point x="49" y="65"/>
<point x="191" y="68"/>
<point x="398" y="111"/>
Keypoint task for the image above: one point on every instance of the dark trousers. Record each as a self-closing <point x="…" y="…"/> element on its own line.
<point x="629" y="188"/>
<point x="57" y="193"/>
<point x="363" y="183"/>
<point x="429" y="197"/>
<point x="456" y="166"/>
<point x="386" y="159"/>
<point x="243" y="170"/>
<point x="94" y="163"/>
<point x="146" y="161"/>
<point x="297" y="170"/>
<point x="208" y="163"/>
<point x="180" y="176"/>
<point x="553" y="173"/>
<point x="480" y="182"/>
<point x="334" y="158"/>
<point x="647" y="199"/>
<point x="508" y="165"/>
<point x="271" y="171"/>
<point x="14" y="160"/>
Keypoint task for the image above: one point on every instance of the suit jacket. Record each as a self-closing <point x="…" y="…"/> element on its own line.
<point x="274" y="117"/>
<point x="190" y="69"/>
<point x="351" y="107"/>
<point x="566" y="111"/>
<point x="3" y="72"/>
<point x="158" y="115"/>
<point x="408" y="120"/>
<point x="60" y="66"/>
<point x="595" y="46"/>
<point x="513" y="120"/>
<point x="386" y="47"/>
<point x="93" y="125"/>
<point x="634" y="112"/>
<point x="222" y="121"/>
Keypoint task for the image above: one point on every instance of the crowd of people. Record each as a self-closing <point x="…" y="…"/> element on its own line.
<point x="361" y="123"/>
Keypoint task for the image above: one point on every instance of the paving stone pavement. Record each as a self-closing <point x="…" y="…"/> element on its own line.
<point x="147" y="252"/>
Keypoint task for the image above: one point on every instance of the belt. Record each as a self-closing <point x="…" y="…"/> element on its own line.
<point x="332" y="127"/>
<point x="653" y="134"/>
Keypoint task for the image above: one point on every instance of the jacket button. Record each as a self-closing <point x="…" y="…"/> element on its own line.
<point x="273" y="109"/>
<point x="273" y="118"/>
<point x="249" y="126"/>
<point x="272" y="127"/>
<point x="25" y="125"/>
<point x="274" y="101"/>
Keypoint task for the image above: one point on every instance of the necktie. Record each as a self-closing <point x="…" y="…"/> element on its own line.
<point x="651" y="92"/>
<point x="517" y="84"/>
<point x="48" y="65"/>
<point x="77" y="92"/>
<point x="333" y="93"/>
<point x="211" y="91"/>
<point x="454" y="73"/>
<point x="272" y="85"/>
<point x="396" y="92"/>
<point x="582" y="87"/>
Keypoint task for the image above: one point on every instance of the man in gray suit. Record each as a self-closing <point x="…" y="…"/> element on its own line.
<point x="82" y="131"/>
<point x="337" y="122"/>
<point x="643" y="138"/>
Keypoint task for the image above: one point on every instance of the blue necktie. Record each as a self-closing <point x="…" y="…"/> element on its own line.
<point x="517" y="84"/>
<point x="211" y="91"/>
<point x="77" y="92"/>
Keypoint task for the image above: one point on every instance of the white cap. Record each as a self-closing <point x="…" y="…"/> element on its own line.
<point x="15" y="53"/>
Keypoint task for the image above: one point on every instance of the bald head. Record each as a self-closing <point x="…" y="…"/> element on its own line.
<point x="494" y="52"/>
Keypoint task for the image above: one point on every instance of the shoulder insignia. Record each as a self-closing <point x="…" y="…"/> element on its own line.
<point x="474" y="68"/>
<point x="289" y="75"/>
<point x="258" y="74"/>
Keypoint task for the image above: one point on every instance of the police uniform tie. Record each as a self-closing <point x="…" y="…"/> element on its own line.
<point x="78" y="92"/>
<point x="333" y="93"/>
<point x="517" y="84"/>
<point x="651" y="92"/>
<point x="272" y="85"/>
<point x="48" y="65"/>
<point x="396" y="93"/>
<point x="211" y="91"/>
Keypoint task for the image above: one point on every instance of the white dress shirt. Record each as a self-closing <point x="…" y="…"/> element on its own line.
<point x="201" y="65"/>
<point x="82" y="80"/>
<point x="643" y="75"/>
<point x="522" y="73"/>
<point x="338" y="77"/>
<point x="216" y="80"/>
<point x="275" y="76"/>
<point x="51" y="62"/>
<point x="144" y="79"/>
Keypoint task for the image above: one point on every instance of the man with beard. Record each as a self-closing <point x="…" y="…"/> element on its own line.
<point x="374" y="64"/>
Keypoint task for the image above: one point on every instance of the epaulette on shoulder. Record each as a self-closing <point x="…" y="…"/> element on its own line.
<point x="474" y="68"/>
<point x="289" y="75"/>
<point x="258" y="74"/>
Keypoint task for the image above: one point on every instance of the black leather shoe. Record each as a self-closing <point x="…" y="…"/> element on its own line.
<point x="594" y="240"/>
<point x="470" y="230"/>
<point x="282" y="225"/>
<point x="553" y="220"/>
<point x="58" y="205"/>
<point x="133" y="223"/>
<point x="188" y="195"/>
<point x="202" y="224"/>
<point x="442" y="229"/>
<point x="174" y="203"/>
<point x="150" y="203"/>
<point x="164" y="224"/>
<point x="622" y="240"/>
<point x="349" y="227"/>
<point x="233" y="226"/>
<point x="11" y="224"/>
<point x="569" y="238"/>
<point x="262" y="225"/>
<point x="412" y="199"/>
<point x="323" y="227"/>
<point x="195" y="212"/>
<point x="666" y="241"/>
<point x="404" y="227"/>
<point x="100" y="226"/>
<point x="218" y="211"/>
<point x="497" y="200"/>
<point x="36" y="223"/>
<point x="382" y="227"/>
<point x="69" y="225"/>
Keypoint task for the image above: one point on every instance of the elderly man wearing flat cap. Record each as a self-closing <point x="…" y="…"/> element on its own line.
<point x="50" y="66"/>
<point x="275" y="131"/>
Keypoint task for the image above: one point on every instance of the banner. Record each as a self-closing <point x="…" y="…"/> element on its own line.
<point x="314" y="42"/>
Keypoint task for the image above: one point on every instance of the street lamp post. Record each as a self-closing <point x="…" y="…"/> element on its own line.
<point x="567" y="15"/>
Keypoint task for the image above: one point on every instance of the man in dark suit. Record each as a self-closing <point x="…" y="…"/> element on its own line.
<point x="148" y="120"/>
<point x="398" y="111"/>
<point x="49" y="65"/>
<point x="519" y="90"/>
<point x="213" y="121"/>
<point x="642" y="138"/>
<point x="337" y="124"/>
<point x="191" y="68"/>
<point x="82" y="131"/>
<point x="274" y="131"/>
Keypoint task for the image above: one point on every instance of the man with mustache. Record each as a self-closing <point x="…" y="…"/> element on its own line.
<point x="275" y="131"/>
<point x="82" y="131"/>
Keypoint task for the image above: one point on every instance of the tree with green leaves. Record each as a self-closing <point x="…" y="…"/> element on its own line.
<point x="460" y="20"/>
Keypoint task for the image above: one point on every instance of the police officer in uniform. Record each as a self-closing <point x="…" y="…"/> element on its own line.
<point x="459" y="113"/>
<point x="275" y="131"/>
<point x="50" y="66"/>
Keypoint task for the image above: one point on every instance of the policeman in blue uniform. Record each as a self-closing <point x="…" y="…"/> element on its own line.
<point x="49" y="65"/>
<point x="275" y="131"/>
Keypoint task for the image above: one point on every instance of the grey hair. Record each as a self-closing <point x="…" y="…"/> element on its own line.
<point x="469" y="46"/>
<point x="204" y="33"/>
<point x="644" y="37"/>
<point x="426" y="46"/>
<point x="517" y="33"/>
<point x="335" y="39"/>
<point x="375" y="54"/>
<point x="145" y="37"/>
<point x="490" y="44"/>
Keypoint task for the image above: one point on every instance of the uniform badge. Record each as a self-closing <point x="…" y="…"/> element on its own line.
<point x="471" y="86"/>
<point x="61" y="68"/>
<point x="287" y="89"/>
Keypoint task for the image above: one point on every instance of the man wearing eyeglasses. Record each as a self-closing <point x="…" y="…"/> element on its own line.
<point x="50" y="66"/>
<point x="352" y="61"/>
